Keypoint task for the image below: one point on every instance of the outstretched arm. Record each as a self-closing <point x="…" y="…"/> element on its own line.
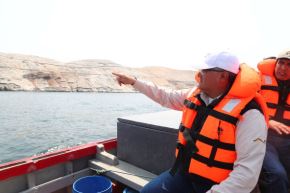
<point x="165" y="97"/>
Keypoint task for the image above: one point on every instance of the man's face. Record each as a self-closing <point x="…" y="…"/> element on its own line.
<point x="209" y="80"/>
<point x="282" y="69"/>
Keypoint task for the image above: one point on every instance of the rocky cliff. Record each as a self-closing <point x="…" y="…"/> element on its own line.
<point x="33" y="73"/>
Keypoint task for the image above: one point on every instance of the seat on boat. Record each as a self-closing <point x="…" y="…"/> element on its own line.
<point x="121" y="171"/>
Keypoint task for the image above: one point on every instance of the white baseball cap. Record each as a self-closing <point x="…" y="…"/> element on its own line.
<point x="223" y="60"/>
<point x="284" y="54"/>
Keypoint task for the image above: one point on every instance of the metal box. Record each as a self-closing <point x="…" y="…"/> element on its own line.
<point x="149" y="140"/>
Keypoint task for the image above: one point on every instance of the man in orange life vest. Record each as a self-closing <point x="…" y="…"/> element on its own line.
<point x="222" y="132"/>
<point x="275" y="74"/>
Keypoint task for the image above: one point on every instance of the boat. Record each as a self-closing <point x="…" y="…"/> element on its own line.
<point x="144" y="148"/>
<point x="126" y="161"/>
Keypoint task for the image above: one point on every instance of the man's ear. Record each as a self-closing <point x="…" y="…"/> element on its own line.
<point x="197" y="76"/>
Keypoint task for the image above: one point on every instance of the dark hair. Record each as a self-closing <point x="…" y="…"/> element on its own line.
<point x="232" y="77"/>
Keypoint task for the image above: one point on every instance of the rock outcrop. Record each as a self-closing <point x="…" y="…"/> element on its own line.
<point x="33" y="73"/>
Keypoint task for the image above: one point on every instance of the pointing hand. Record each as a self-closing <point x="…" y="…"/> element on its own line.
<point x="124" y="79"/>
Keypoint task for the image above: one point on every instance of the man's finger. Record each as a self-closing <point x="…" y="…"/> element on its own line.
<point x="278" y="130"/>
<point x="283" y="128"/>
<point x="118" y="80"/>
<point x="287" y="128"/>
<point x="117" y="74"/>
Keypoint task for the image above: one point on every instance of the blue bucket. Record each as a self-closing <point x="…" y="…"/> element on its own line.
<point x="92" y="184"/>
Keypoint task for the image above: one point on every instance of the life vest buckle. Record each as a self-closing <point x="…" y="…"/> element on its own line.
<point x="181" y="128"/>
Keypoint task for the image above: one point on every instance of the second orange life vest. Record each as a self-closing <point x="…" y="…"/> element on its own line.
<point x="277" y="96"/>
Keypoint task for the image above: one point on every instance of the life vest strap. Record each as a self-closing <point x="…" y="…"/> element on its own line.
<point x="213" y="163"/>
<point x="209" y="141"/>
<point x="185" y="153"/>
<point x="267" y="87"/>
<point x="275" y="106"/>
<point x="282" y="120"/>
<point x="179" y="159"/>
<point x="213" y="153"/>
<point x="280" y="109"/>
<point x="190" y="142"/>
<point x="212" y="112"/>
<point x="184" y="156"/>
<point x="183" y="159"/>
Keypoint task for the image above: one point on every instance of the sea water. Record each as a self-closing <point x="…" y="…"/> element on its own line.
<point x="32" y="123"/>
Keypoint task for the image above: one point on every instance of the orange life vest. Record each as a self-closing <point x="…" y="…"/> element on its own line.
<point x="277" y="97"/>
<point x="206" y="145"/>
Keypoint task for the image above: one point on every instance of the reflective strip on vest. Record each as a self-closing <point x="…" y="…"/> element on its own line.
<point x="268" y="79"/>
<point x="231" y="105"/>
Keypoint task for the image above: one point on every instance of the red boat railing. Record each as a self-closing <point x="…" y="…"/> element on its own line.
<point x="27" y="165"/>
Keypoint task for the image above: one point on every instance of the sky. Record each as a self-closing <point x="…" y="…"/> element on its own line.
<point x="137" y="33"/>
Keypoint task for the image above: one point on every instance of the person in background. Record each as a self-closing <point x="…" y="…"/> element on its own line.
<point x="222" y="132"/>
<point x="275" y="74"/>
